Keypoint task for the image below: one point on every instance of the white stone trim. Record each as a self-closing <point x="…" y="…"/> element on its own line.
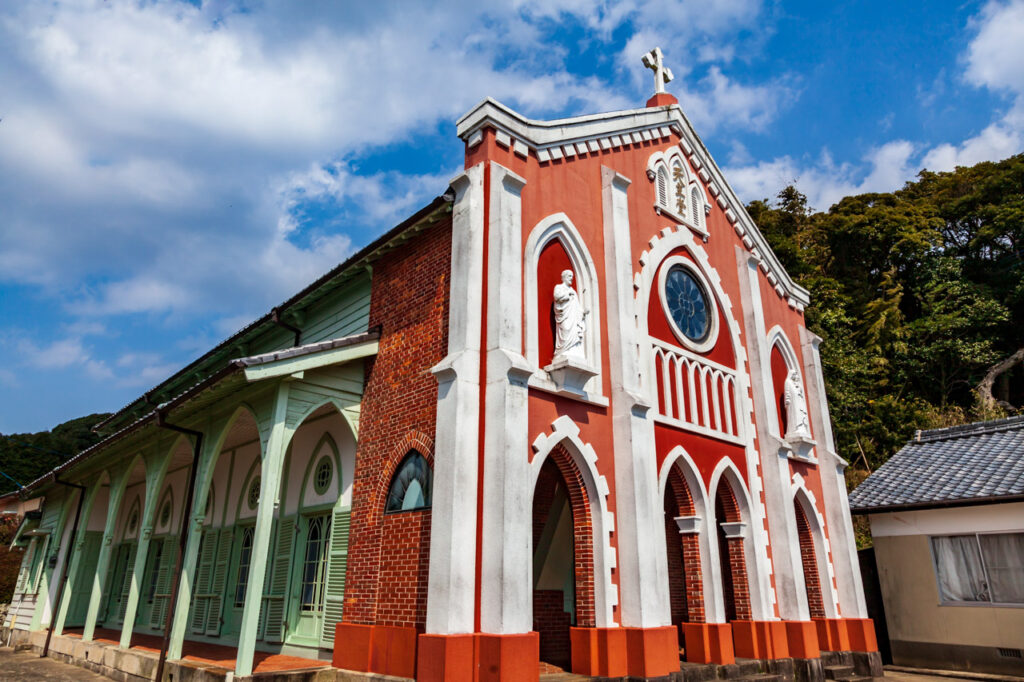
<point x="565" y="432"/>
<point x="689" y="525"/>
<point x="451" y="585"/>
<point x="822" y="549"/>
<point x="559" y="226"/>
<point x="548" y="138"/>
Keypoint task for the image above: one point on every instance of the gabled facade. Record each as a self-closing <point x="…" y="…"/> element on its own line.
<point x="568" y="415"/>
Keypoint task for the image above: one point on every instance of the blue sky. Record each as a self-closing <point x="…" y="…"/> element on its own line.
<point x="170" y="170"/>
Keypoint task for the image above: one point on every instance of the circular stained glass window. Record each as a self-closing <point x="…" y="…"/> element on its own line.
<point x="322" y="475"/>
<point x="688" y="304"/>
<point x="165" y="513"/>
<point x="253" y="496"/>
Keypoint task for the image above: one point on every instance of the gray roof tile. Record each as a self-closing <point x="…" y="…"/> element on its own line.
<point x="940" y="466"/>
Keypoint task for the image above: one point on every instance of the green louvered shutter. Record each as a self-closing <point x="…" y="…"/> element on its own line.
<point x="337" y="565"/>
<point x="116" y="561"/>
<point x="126" y="581"/>
<point x="282" y="561"/>
<point x="204" y="575"/>
<point x="26" y="567"/>
<point x="221" y="565"/>
<point x="164" y="580"/>
<point x="261" y="625"/>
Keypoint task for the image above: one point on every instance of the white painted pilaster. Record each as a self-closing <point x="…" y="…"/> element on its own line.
<point x="506" y="590"/>
<point x="790" y="593"/>
<point x="833" y="484"/>
<point x="643" y="566"/>
<point x="452" y="582"/>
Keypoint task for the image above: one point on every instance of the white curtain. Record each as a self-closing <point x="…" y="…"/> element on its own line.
<point x="960" y="572"/>
<point x="1004" y="562"/>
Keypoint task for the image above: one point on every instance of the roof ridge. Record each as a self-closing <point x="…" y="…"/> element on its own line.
<point x="973" y="429"/>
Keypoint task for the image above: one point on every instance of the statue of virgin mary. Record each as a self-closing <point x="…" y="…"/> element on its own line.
<point x="570" y="320"/>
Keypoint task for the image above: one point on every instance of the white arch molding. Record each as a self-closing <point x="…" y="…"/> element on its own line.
<point x="661" y="246"/>
<point x="665" y="162"/>
<point x="558" y="226"/>
<point x="565" y="432"/>
<point x="776" y="337"/>
<point x="822" y="549"/>
<point x="679" y="458"/>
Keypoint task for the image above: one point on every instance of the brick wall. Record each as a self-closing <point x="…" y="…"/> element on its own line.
<point x="808" y="558"/>
<point x="387" y="572"/>
<point x="583" y="535"/>
<point x="736" y="587"/>
<point x="690" y="581"/>
<point x="551" y="621"/>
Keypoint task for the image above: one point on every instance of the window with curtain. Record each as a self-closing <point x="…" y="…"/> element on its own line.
<point x="980" y="568"/>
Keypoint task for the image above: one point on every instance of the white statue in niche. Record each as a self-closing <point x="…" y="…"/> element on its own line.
<point x="570" y="320"/>
<point x="797" y="424"/>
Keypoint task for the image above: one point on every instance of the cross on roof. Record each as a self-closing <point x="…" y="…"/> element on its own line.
<point x="662" y="74"/>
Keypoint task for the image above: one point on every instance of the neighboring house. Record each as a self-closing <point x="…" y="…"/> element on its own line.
<point x="947" y="518"/>
<point x="569" y="412"/>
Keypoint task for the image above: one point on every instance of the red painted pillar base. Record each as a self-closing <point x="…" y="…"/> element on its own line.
<point x="862" y="634"/>
<point x="384" y="649"/>
<point x="708" y="643"/>
<point x="444" y="658"/>
<point x="652" y="652"/>
<point x="832" y="634"/>
<point x="507" y="657"/>
<point x="598" y="652"/>
<point x="763" y="639"/>
<point x="802" y="639"/>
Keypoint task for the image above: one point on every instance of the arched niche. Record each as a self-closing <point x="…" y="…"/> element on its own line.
<point x="555" y="245"/>
<point x="783" y="362"/>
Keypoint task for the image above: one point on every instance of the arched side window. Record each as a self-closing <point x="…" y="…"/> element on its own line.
<point x="663" y="187"/>
<point x="697" y="209"/>
<point x="410" y="487"/>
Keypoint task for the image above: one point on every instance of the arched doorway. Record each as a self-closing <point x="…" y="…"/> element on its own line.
<point x="682" y="542"/>
<point x="809" y="562"/>
<point x="731" y="554"/>
<point x="563" y="573"/>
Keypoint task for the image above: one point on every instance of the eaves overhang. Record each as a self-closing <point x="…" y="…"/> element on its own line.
<point x="597" y="133"/>
<point x="199" y="369"/>
<point x="235" y="373"/>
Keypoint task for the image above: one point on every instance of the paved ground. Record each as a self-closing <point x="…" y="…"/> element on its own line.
<point x="26" y="666"/>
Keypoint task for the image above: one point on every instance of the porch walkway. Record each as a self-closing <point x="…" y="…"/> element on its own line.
<point x="210" y="654"/>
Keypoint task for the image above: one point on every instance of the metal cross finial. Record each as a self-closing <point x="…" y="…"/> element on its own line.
<point x="662" y="74"/>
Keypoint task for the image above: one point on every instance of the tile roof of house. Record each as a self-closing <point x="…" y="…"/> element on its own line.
<point x="949" y="467"/>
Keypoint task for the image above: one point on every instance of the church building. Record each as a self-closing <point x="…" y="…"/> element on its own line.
<point x="567" y="416"/>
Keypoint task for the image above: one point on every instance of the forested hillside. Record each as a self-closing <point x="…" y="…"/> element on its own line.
<point x="918" y="295"/>
<point x="27" y="456"/>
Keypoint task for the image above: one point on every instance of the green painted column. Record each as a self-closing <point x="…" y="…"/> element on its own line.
<point x="44" y="611"/>
<point x="92" y="489"/>
<point x="204" y="477"/>
<point x="156" y="470"/>
<point x="270" y="485"/>
<point x="117" y="485"/>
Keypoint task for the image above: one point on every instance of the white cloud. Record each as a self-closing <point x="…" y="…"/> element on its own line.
<point x="63" y="354"/>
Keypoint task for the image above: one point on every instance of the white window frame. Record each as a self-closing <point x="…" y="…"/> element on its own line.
<point x="984" y="568"/>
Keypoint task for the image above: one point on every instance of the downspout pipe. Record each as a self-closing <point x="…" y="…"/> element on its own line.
<point x="67" y="562"/>
<point x="275" y="317"/>
<point x="186" y="514"/>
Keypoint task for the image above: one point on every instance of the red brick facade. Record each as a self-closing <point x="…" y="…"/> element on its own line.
<point x="388" y="553"/>
<point x="686" y="580"/>
<point x="731" y="554"/>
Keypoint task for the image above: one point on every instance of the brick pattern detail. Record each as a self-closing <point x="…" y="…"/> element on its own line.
<point x="812" y="581"/>
<point x="583" y="536"/>
<point x="387" y="572"/>
<point x="551" y="621"/>
<point x="735" y="586"/>
<point x="686" y="581"/>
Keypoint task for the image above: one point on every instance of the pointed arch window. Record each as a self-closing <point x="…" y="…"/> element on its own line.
<point x="411" y="485"/>
<point x="663" y="187"/>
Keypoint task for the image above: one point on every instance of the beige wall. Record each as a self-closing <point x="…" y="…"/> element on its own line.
<point x="912" y="609"/>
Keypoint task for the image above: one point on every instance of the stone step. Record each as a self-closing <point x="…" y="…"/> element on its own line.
<point x="838" y="672"/>
<point x="763" y="677"/>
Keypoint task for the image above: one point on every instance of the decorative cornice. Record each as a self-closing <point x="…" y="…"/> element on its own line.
<point x="569" y="138"/>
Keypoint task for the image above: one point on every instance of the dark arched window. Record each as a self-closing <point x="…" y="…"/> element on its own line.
<point x="410" y="487"/>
